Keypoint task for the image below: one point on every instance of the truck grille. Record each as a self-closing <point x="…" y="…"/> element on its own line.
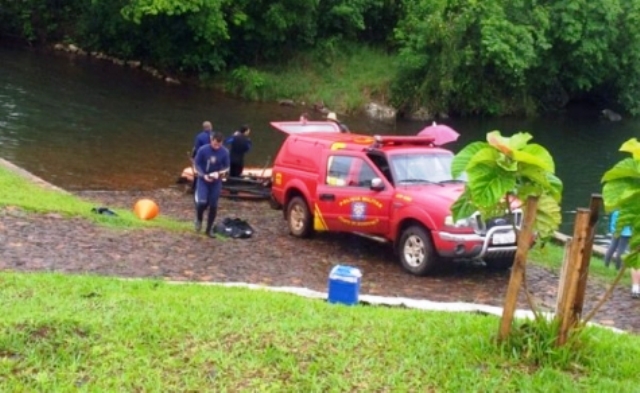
<point x="481" y="225"/>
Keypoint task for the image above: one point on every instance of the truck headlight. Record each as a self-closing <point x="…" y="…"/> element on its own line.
<point x="461" y="223"/>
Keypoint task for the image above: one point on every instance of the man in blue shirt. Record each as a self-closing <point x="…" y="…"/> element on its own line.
<point x="619" y="242"/>
<point x="203" y="138"/>
<point x="211" y="163"/>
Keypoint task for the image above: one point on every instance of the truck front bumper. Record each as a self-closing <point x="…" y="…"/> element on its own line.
<point x="499" y="241"/>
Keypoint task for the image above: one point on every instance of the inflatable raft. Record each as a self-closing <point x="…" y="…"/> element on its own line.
<point x="254" y="183"/>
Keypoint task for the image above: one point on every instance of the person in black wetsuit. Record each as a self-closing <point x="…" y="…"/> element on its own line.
<point x="211" y="164"/>
<point x="239" y="144"/>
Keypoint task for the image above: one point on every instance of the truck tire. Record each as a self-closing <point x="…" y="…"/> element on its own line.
<point x="416" y="251"/>
<point x="299" y="217"/>
<point x="500" y="263"/>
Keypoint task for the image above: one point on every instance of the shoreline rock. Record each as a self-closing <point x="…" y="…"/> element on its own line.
<point x="135" y="64"/>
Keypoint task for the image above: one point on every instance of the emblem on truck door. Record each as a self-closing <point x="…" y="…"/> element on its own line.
<point x="358" y="211"/>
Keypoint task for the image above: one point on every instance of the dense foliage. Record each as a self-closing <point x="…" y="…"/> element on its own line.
<point x="467" y="57"/>
<point x="621" y="191"/>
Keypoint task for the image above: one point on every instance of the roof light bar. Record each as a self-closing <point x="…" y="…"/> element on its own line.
<point x="393" y="140"/>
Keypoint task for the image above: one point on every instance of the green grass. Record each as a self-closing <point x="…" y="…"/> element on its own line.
<point x="68" y="333"/>
<point x="551" y="256"/>
<point x="17" y="191"/>
<point x="343" y="80"/>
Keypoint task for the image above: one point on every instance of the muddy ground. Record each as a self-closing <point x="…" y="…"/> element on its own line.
<point x="31" y="242"/>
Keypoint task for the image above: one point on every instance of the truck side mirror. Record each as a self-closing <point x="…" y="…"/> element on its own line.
<point x="377" y="184"/>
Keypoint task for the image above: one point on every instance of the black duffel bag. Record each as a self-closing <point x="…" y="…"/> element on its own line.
<point x="235" y="228"/>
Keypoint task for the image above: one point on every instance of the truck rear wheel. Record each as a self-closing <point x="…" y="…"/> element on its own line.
<point x="299" y="217"/>
<point x="416" y="251"/>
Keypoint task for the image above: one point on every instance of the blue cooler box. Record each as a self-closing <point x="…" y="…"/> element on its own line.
<point x="344" y="285"/>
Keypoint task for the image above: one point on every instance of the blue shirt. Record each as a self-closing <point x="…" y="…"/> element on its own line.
<point x="210" y="160"/>
<point x="613" y="221"/>
<point x="203" y="138"/>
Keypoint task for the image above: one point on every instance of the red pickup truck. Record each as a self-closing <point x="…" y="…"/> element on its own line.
<point x="395" y="189"/>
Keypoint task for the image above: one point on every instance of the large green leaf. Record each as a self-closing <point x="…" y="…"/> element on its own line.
<point x="527" y="190"/>
<point x="628" y="217"/>
<point x="627" y="168"/>
<point x="535" y="174"/>
<point x="495" y="139"/>
<point x="632" y="259"/>
<point x="629" y="198"/>
<point x="556" y="187"/>
<point x="487" y="156"/>
<point x="632" y="146"/>
<point x="460" y="160"/>
<point x="540" y="152"/>
<point x="548" y="216"/>
<point x="519" y="140"/>
<point x="612" y="191"/>
<point x="463" y="207"/>
<point x="528" y="158"/>
<point x="489" y="184"/>
<point x="506" y="163"/>
<point x="634" y="242"/>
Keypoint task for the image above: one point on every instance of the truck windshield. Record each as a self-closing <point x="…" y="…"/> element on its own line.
<point x="423" y="168"/>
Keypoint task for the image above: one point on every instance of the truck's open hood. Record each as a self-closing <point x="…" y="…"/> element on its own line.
<point x="297" y="127"/>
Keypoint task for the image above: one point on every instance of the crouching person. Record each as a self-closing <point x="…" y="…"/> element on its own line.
<point x="211" y="163"/>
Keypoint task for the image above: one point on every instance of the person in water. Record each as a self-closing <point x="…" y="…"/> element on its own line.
<point x="201" y="139"/>
<point x="239" y="144"/>
<point x="211" y="163"/>
<point x="331" y="116"/>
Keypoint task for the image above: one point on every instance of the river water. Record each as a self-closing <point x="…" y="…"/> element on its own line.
<point x="86" y="124"/>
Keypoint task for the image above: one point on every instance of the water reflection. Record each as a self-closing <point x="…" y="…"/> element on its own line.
<point x="88" y="124"/>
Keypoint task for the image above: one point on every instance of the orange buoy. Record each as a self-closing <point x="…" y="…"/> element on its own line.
<point x="146" y="209"/>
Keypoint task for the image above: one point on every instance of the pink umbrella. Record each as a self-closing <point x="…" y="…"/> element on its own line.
<point x="442" y="134"/>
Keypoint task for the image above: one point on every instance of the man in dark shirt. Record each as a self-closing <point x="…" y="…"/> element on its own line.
<point x="203" y="138"/>
<point x="239" y="144"/>
<point x="211" y="163"/>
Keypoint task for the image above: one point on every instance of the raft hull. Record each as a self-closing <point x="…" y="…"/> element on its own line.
<point x="254" y="183"/>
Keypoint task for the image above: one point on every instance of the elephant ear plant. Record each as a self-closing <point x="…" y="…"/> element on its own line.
<point x="621" y="191"/>
<point x="504" y="171"/>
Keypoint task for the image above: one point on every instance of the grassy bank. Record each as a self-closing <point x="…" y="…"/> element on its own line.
<point x="17" y="191"/>
<point x="344" y="80"/>
<point x="551" y="256"/>
<point x="62" y="333"/>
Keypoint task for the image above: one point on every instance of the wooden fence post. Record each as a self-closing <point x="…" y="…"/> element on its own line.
<point x="518" y="270"/>
<point x="565" y="310"/>
<point x="563" y="274"/>
<point x="594" y="211"/>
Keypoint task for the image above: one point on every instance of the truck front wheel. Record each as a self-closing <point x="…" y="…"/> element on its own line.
<point x="416" y="252"/>
<point x="298" y="217"/>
